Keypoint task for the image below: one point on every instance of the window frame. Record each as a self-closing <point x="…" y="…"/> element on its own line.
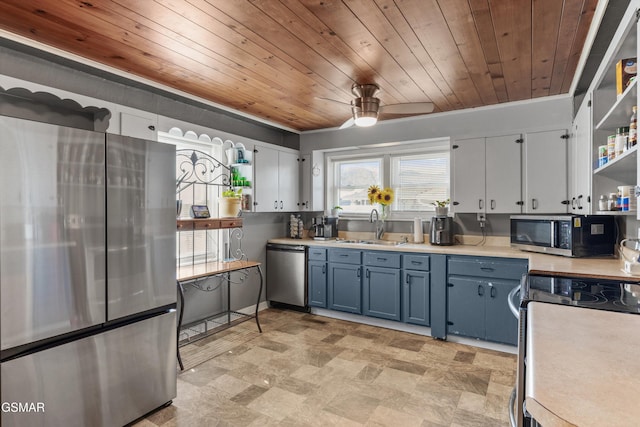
<point x="385" y="152"/>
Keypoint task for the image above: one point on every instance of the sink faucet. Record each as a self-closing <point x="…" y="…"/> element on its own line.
<point x="379" y="224"/>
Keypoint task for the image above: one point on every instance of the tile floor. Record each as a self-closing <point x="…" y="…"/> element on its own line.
<point x="308" y="370"/>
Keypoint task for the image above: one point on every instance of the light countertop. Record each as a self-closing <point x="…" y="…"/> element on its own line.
<point x="582" y="366"/>
<point x="605" y="267"/>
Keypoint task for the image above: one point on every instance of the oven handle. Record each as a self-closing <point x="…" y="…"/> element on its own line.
<point x="512" y="404"/>
<point x="553" y="233"/>
<point x="512" y="304"/>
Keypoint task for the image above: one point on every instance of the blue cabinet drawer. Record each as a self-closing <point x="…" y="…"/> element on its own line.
<point x="415" y="262"/>
<point x="317" y="254"/>
<point x="345" y="256"/>
<point x="504" y="268"/>
<point x="381" y="259"/>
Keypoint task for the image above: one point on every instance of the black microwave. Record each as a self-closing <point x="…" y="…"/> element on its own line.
<point x="567" y="235"/>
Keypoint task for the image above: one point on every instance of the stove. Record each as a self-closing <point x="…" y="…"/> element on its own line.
<point x="598" y="294"/>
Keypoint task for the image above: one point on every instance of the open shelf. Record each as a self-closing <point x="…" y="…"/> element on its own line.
<point x="622" y="167"/>
<point x="620" y="113"/>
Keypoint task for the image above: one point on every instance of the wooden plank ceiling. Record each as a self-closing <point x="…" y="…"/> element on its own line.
<point x="274" y="59"/>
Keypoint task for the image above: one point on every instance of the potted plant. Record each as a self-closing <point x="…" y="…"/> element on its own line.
<point x="229" y="203"/>
<point x="442" y="207"/>
<point x="335" y="212"/>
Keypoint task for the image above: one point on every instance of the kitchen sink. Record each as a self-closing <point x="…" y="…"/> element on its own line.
<point x="372" y="242"/>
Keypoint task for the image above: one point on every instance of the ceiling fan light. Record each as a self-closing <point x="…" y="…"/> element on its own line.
<point x="366" y="121"/>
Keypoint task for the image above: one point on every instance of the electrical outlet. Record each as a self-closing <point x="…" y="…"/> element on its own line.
<point x="481" y="217"/>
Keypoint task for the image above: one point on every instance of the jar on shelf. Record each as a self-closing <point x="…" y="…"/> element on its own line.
<point x="603" y="203"/>
<point x="622" y="135"/>
<point x="611" y="147"/>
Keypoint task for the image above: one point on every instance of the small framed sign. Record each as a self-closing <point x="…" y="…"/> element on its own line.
<point x="200" y="211"/>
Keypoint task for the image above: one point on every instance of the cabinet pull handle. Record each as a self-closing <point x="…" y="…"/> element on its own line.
<point x="580" y="201"/>
<point x="275" y="205"/>
<point x="493" y="204"/>
<point x="281" y="207"/>
<point x="408" y="279"/>
<point x="324" y="269"/>
<point x="358" y="272"/>
<point x="480" y="290"/>
<point x="492" y="290"/>
<point x="366" y="273"/>
<point x="487" y="269"/>
<point x="480" y="204"/>
<point x="343" y="255"/>
<point x="416" y="262"/>
<point x="382" y="259"/>
<point x="534" y="203"/>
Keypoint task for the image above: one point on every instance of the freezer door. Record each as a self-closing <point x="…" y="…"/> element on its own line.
<point x="109" y="379"/>
<point x="141" y="226"/>
<point x="52" y="232"/>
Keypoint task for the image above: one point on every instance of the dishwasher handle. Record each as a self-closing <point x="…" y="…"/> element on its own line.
<point x="285" y="248"/>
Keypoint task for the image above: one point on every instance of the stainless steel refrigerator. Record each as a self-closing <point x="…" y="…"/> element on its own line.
<point x="87" y="275"/>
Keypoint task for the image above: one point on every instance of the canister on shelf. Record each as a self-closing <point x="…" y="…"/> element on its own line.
<point x="603" y="203"/>
<point x="613" y="201"/>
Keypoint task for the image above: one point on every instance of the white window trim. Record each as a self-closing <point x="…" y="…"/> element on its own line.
<point x="386" y="150"/>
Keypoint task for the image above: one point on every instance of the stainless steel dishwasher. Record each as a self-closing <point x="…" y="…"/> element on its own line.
<point x="287" y="275"/>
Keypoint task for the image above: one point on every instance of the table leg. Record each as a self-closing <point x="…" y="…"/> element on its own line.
<point x="259" y="295"/>
<point x="181" y="295"/>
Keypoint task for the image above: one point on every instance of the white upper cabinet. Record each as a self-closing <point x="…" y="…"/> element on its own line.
<point x="468" y="175"/>
<point x="545" y="172"/>
<point x="486" y="175"/>
<point x="141" y="125"/>
<point x="579" y="151"/>
<point x="276" y="182"/>
<point x="503" y="160"/>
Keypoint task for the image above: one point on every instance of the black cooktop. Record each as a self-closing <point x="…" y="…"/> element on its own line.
<point x="602" y="294"/>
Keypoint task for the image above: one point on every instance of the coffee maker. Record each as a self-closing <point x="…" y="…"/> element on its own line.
<point x="441" y="231"/>
<point x="325" y="227"/>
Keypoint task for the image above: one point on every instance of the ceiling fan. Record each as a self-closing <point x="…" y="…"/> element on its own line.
<point x="366" y="107"/>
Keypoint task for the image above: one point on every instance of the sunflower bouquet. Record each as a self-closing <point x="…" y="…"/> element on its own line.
<point x="383" y="197"/>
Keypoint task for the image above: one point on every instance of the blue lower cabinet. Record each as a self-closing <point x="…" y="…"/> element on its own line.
<point x="466" y="307"/>
<point x="381" y="293"/>
<point x="344" y="285"/>
<point x="502" y="326"/>
<point x="317" y="283"/>
<point x="477" y="308"/>
<point x="416" y="299"/>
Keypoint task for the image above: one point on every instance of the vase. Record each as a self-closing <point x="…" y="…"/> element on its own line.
<point x="384" y="214"/>
<point x="442" y="210"/>
<point x="229" y="206"/>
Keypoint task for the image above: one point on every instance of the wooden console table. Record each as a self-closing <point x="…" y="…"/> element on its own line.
<point x="195" y="272"/>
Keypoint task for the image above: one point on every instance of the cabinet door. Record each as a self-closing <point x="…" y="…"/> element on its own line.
<point x="545" y="172"/>
<point x="501" y="324"/>
<point x="468" y="175"/>
<point x="304" y="203"/>
<point x="503" y="174"/>
<point x="140" y="125"/>
<point x="288" y="182"/>
<point x="466" y="307"/>
<point x="580" y="161"/>
<point x="381" y="293"/>
<point x="317" y="282"/>
<point x="266" y="180"/>
<point x="416" y="289"/>
<point x="345" y="287"/>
